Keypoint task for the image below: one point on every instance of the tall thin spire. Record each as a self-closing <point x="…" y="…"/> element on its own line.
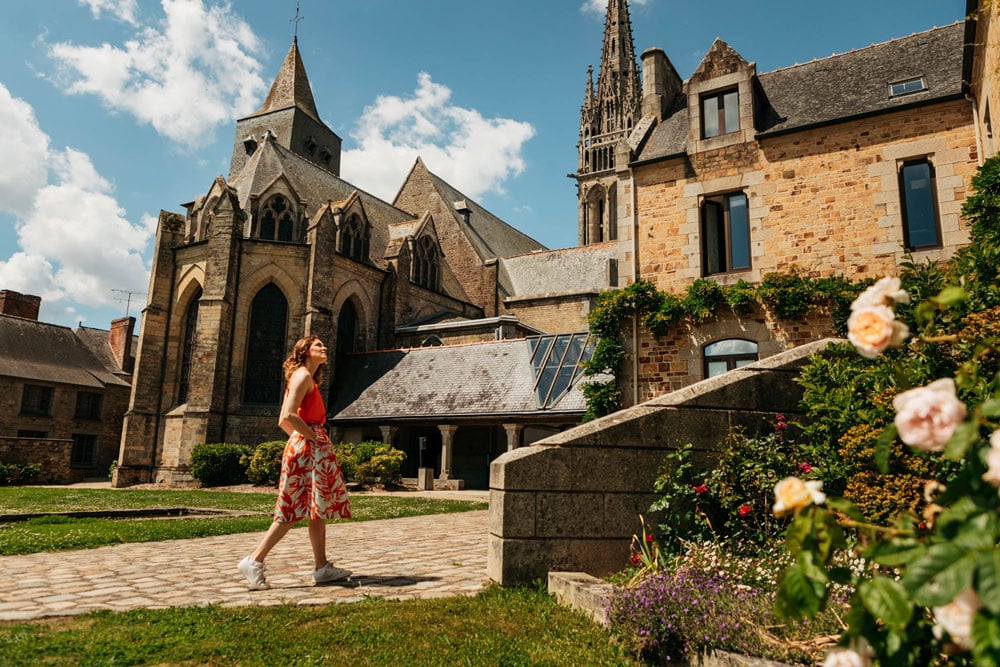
<point x="611" y="111"/>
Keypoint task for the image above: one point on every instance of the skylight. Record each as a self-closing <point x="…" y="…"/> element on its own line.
<point x="558" y="363"/>
<point x="907" y="86"/>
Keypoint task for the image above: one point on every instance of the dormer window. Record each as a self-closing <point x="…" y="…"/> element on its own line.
<point x="354" y="237"/>
<point x="276" y="222"/>
<point x="907" y="87"/>
<point x="426" y="267"/>
<point x="720" y="113"/>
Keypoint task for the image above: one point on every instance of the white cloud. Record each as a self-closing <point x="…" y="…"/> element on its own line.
<point x="22" y="170"/>
<point x="601" y="6"/>
<point x="185" y="77"/>
<point x="123" y="9"/>
<point x="473" y="153"/>
<point x="75" y="243"/>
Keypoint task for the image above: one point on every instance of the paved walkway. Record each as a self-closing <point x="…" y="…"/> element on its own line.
<point x="416" y="557"/>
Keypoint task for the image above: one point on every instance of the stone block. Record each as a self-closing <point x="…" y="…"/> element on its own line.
<point x="425" y="479"/>
<point x="569" y="515"/>
<point x="512" y="513"/>
<point x="520" y="561"/>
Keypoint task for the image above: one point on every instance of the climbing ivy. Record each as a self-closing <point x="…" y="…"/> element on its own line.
<point x="789" y="295"/>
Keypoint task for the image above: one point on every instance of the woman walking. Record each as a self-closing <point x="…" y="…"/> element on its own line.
<point x="312" y="485"/>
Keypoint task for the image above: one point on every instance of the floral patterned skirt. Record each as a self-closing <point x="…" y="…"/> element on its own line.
<point x="312" y="485"/>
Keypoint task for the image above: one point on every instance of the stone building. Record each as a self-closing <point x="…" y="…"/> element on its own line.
<point x="843" y="166"/>
<point x="284" y="247"/>
<point x="63" y="392"/>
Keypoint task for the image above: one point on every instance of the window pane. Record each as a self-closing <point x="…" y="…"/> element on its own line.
<point x="731" y="346"/>
<point x="739" y="232"/>
<point x="731" y="105"/>
<point x="710" y="117"/>
<point x="921" y="225"/>
<point x="740" y="363"/>
<point x="266" y="347"/>
<point x="714" y="255"/>
<point x="716" y="368"/>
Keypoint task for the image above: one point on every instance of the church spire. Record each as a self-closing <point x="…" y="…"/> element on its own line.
<point x="614" y="107"/>
<point x="291" y="86"/>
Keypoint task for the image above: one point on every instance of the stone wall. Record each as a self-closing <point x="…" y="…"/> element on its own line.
<point x="553" y="314"/>
<point x="825" y="201"/>
<point x="53" y="454"/>
<point x="572" y="501"/>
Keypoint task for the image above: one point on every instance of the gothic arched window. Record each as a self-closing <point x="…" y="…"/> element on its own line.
<point x="187" y="347"/>
<point x="266" y="347"/>
<point x="276" y="223"/>
<point x="426" y="270"/>
<point x="354" y="237"/>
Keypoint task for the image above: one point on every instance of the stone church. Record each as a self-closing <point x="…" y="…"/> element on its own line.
<point x="456" y="331"/>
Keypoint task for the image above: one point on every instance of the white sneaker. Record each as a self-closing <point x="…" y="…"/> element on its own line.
<point x="329" y="573"/>
<point x="254" y="572"/>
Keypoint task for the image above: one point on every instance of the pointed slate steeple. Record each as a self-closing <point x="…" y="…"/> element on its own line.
<point x="291" y="86"/>
<point x="288" y="117"/>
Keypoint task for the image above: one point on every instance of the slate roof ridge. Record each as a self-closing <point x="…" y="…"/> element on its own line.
<point x="567" y="249"/>
<point x="862" y="48"/>
<point x="431" y="348"/>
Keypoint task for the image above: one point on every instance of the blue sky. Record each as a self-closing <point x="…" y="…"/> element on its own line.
<point x="116" y="109"/>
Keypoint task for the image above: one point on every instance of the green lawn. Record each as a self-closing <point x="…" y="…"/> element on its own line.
<point x="520" y="626"/>
<point x="59" y="533"/>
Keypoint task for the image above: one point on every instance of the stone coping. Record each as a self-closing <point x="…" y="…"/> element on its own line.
<point x="588" y="594"/>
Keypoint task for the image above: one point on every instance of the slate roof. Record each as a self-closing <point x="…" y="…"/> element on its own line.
<point x="449" y="382"/>
<point x="316" y="186"/>
<point x="489" y="235"/>
<point x="838" y="88"/>
<point x="291" y="87"/>
<point x="565" y="271"/>
<point x="96" y="341"/>
<point x="33" y="350"/>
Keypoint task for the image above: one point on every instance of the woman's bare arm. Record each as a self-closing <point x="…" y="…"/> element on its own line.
<point x="300" y="384"/>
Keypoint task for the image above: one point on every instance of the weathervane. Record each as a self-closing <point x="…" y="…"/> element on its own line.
<point x="296" y="20"/>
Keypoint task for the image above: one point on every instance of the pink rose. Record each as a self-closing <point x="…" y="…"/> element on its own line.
<point x="885" y="292"/>
<point x="926" y="417"/>
<point x="792" y="494"/>
<point x="845" y="657"/>
<point x="956" y="618"/>
<point x="873" y="329"/>
<point x="992" y="474"/>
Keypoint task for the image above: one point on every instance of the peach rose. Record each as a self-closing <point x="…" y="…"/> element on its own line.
<point x="885" y="292"/>
<point x="926" y="417"/>
<point x="792" y="494"/>
<point x="873" y="329"/>
<point x="956" y="618"/>
<point x="992" y="474"/>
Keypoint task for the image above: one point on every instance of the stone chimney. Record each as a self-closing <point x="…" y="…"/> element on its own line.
<point x="660" y="83"/>
<point x="120" y="340"/>
<point x="19" y="305"/>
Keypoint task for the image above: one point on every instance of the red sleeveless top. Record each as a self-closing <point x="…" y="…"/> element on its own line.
<point x="313" y="410"/>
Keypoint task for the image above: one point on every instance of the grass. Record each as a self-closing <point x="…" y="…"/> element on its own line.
<point x="520" y="626"/>
<point x="59" y="533"/>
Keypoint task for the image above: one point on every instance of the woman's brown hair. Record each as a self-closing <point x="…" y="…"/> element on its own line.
<point x="297" y="359"/>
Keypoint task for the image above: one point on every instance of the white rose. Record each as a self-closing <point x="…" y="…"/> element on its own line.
<point x="926" y="417"/>
<point x="792" y="494"/>
<point x="885" y="292"/>
<point x="845" y="657"/>
<point x="992" y="474"/>
<point x="956" y="618"/>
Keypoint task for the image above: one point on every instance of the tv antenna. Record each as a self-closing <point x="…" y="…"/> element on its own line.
<point x="127" y="298"/>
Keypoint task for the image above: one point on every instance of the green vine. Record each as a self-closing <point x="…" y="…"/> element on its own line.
<point x="789" y="295"/>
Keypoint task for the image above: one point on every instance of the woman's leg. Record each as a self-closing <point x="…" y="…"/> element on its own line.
<point x="317" y="537"/>
<point x="274" y="534"/>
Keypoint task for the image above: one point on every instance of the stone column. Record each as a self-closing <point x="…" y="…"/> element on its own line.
<point x="388" y="433"/>
<point x="336" y="434"/>
<point x="447" y="437"/>
<point x="513" y="435"/>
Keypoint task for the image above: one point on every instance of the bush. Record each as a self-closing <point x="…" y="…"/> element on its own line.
<point x="383" y="467"/>
<point x="12" y="474"/>
<point x="219" y="464"/>
<point x="352" y="455"/>
<point x="264" y="463"/>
